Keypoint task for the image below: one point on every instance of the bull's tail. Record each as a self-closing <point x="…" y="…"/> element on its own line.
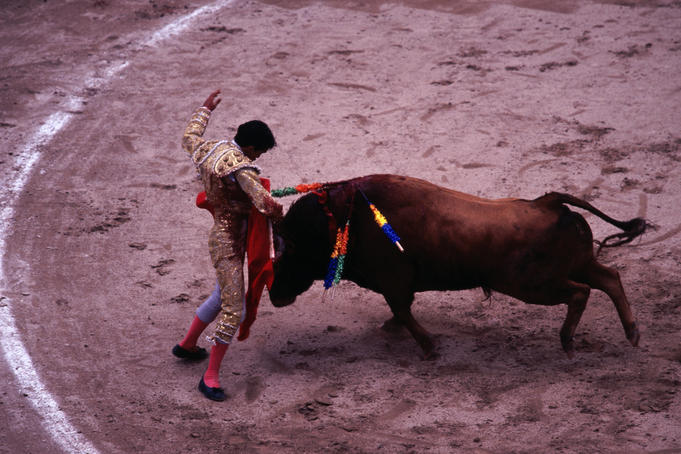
<point x="631" y="229"/>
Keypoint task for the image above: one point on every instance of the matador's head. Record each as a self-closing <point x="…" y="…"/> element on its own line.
<point x="255" y="138"/>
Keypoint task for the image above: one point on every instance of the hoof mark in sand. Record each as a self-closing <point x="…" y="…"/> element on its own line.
<point x="165" y="187"/>
<point x="160" y="267"/>
<point x="313" y="137"/>
<point x="554" y="65"/>
<point x="533" y="76"/>
<point x="471" y="52"/>
<point x="612" y="154"/>
<point x="550" y="48"/>
<point x="429" y="151"/>
<point x="223" y="29"/>
<point x="485" y="93"/>
<point x="344" y="52"/>
<point x="564" y="148"/>
<point x="277" y="365"/>
<point x="521" y="53"/>
<point x="526" y="167"/>
<point x="361" y="119"/>
<point x="590" y="130"/>
<point x="609" y="170"/>
<point x="475" y="165"/>
<point x="181" y="298"/>
<point x="119" y="218"/>
<point x="352" y="86"/>
<point x="629" y="183"/>
<point x="632" y="51"/>
<point x="435" y="109"/>
<point x="310" y="411"/>
<point x="126" y="141"/>
<point x="254" y="388"/>
<point x="399" y="409"/>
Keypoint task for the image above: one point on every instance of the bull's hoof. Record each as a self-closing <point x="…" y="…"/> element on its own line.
<point x="429" y="348"/>
<point x="431" y="355"/>
<point x="568" y="346"/>
<point x="633" y="335"/>
<point x="392" y="326"/>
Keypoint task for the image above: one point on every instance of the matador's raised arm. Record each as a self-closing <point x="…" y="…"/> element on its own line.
<point x="192" y="139"/>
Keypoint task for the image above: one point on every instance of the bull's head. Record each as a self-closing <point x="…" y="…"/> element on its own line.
<point x="302" y="250"/>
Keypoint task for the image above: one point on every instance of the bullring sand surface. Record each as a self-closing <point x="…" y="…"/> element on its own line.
<point x="105" y="255"/>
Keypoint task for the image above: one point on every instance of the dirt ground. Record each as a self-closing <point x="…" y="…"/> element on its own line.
<point x="106" y="258"/>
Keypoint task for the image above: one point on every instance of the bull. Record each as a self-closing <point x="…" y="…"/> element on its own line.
<point x="537" y="251"/>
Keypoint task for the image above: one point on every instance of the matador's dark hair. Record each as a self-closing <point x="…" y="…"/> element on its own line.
<point x="255" y="133"/>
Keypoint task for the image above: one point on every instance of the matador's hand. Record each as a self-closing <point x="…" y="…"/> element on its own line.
<point x="212" y="101"/>
<point x="276" y="211"/>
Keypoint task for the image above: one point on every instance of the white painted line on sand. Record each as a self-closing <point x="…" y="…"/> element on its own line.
<point x="55" y="421"/>
<point x="183" y="23"/>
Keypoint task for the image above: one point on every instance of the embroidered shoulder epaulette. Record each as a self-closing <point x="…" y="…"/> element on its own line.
<point x="230" y="161"/>
<point x="223" y="159"/>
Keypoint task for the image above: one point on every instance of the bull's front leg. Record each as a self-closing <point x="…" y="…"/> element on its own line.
<point x="392" y="325"/>
<point x="423" y="337"/>
<point x="401" y="308"/>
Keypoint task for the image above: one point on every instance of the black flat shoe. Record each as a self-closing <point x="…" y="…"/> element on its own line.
<point x="217" y="394"/>
<point x="193" y="355"/>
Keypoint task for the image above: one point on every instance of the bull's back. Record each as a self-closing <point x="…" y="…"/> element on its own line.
<point x="455" y="240"/>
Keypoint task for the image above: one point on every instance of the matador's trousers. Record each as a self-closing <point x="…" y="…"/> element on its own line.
<point x="227" y="244"/>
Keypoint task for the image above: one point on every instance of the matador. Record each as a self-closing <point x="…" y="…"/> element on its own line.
<point x="232" y="186"/>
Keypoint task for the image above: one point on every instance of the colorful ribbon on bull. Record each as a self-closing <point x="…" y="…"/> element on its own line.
<point x="340" y="248"/>
<point x="336" y="263"/>
<point x="292" y="190"/>
<point x="383" y="223"/>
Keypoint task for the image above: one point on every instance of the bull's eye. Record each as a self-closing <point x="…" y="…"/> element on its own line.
<point x="279" y="247"/>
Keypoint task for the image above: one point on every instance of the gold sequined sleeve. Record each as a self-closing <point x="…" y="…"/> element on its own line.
<point x="192" y="138"/>
<point x="261" y="198"/>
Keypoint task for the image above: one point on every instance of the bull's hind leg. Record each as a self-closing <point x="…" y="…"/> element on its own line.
<point x="574" y="294"/>
<point x="608" y="280"/>
<point x="400" y="305"/>
<point x="578" y="295"/>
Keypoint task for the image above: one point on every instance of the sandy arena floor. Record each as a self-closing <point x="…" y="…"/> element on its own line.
<point x="105" y="258"/>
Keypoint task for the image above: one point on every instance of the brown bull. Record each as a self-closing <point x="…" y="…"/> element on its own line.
<point x="537" y="251"/>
